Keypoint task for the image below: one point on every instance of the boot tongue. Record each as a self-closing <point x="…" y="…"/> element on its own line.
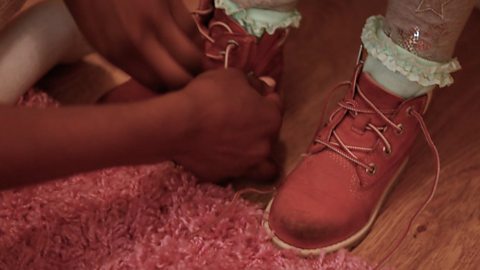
<point x="352" y="130"/>
<point x="377" y="94"/>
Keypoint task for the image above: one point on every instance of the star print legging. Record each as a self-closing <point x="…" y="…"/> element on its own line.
<point x="427" y="28"/>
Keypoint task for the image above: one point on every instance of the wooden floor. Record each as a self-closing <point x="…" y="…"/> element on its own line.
<point x="323" y="52"/>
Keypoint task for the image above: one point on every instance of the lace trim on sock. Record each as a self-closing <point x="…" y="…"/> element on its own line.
<point x="258" y="21"/>
<point x="397" y="59"/>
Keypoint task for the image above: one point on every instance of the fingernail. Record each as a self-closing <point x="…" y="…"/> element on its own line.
<point x="269" y="81"/>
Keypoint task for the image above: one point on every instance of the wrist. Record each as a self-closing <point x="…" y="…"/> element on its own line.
<point x="163" y="126"/>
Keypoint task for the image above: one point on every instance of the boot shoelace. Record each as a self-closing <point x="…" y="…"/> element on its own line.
<point x="347" y="151"/>
<point x="225" y="56"/>
<point x="231" y="44"/>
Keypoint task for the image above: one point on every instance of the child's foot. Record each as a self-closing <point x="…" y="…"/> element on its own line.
<point x="229" y="44"/>
<point x="333" y="196"/>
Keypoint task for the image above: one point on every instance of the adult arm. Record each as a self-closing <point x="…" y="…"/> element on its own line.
<point x="41" y="144"/>
<point x="213" y="130"/>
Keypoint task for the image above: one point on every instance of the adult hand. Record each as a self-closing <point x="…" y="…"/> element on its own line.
<point x="155" y="41"/>
<point x="234" y="126"/>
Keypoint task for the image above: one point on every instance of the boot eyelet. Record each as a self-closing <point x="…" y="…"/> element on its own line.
<point x="372" y="169"/>
<point x="399" y="130"/>
<point x="233" y="42"/>
<point x="410" y="110"/>
<point x="387" y="151"/>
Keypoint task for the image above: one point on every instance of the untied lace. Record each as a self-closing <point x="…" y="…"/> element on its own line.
<point x="338" y="146"/>
<point x="225" y="55"/>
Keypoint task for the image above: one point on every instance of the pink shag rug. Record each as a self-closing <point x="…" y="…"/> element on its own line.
<point x="145" y="217"/>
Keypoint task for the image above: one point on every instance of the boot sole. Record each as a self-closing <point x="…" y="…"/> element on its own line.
<point x="348" y="243"/>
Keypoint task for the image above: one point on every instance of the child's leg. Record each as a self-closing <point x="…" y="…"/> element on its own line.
<point x="429" y="29"/>
<point x="332" y="197"/>
<point x="425" y="34"/>
<point x="248" y="38"/>
<point x="33" y="43"/>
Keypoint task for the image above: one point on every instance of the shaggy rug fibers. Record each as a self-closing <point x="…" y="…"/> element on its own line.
<point x="145" y="217"/>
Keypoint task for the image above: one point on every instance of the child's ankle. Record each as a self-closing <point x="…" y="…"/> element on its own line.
<point x="403" y="73"/>
<point x="257" y="21"/>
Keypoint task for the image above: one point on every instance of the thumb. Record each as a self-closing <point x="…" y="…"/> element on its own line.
<point x="265" y="86"/>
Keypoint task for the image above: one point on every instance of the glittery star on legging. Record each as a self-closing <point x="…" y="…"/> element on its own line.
<point x="435" y="6"/>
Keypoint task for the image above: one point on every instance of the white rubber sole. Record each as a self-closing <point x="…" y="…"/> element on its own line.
<point x="350" y="242"/>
